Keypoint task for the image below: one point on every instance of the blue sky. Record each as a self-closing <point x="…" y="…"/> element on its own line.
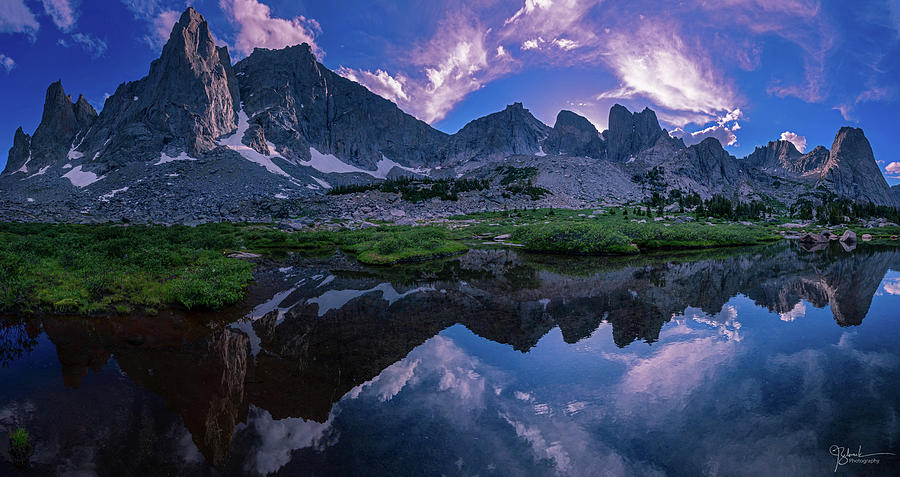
<point x="744" y="71"/>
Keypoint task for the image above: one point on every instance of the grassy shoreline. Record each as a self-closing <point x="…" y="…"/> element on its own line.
<point x="90" y="269"/>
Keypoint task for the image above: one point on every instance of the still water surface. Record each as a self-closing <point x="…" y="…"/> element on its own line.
<point x="740" y="362"/>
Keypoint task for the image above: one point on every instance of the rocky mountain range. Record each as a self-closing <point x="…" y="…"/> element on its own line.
<point x="200" y="138"/>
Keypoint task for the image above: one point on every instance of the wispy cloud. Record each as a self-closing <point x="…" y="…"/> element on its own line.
<point x="655" y="62"/>
<point x="893" y="169"/>
<point x="379" y="82"/>
<point x="62" y="13"/>
<point x="93" y="45"/>
<point x="7" y="63"/>
<point x="459" y="59"/>
<point x="258" y="28"/>
<point x="16" y="17"/>
<point x="797" y="140"/>
<point x="161" y="27"/>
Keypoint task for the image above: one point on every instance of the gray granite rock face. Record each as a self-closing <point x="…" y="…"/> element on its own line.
<point x="186" y="101"/>
<point x="574" y="135"/>
<point x="630" y="133"/>
<point x="61" y="121"/>
<point x="286" y="103"/>
<point x="851" y="170"/>
<point x="301" y="104"/>
<point x="511" y="131"/>
<point x="707" y="164"/>
<point x="19" y="154"/>
<point x="782" y="156"/>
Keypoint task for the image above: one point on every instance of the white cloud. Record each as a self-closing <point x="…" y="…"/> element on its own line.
<point x="379" y="82"/>
<point x="798" y="311"/>
<point x="161" y="27"/>
<point x="529" y="7"/>
<point x="94" y="46"/>
<point x="565" y="44"/>
<point x="456" y="61"/>
<point x="7" y="63"/>
<point x="723" y="130"/>
<point x="797" y="140"/>
<point x="62" y="13"/>
<point x="655" y="62"/>
<point x="257" y="27"/>
<point x="724" y="134"/>
<point x="893" y="169"/>
<point x="892" y="285"/>
<point x="16" y="17"/>
<point x="279" y="438"/>
<point x="531" y="44"/>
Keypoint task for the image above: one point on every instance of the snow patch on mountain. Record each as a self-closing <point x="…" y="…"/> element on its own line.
<point x="234" y="142"/>
<point x="164" y="158"/>
<point x="80" y="178"/>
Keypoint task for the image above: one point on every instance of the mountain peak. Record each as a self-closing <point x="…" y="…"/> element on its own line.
<point x="851" y="170"/>
<point x="573" y="135"/>
<point x="511" y="131"/>
<point x="630" y="133"/>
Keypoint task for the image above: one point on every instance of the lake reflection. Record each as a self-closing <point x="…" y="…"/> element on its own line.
<point x="737" y="362"/>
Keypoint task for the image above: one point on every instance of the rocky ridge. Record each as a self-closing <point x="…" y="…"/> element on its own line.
<point x="201" y="139"/>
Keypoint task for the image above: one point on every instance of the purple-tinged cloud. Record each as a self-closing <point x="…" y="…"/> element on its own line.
<point x="379" y="82"/>
<point x="7" y="63"/>
<point x="797" y="140"/>
<point x="61" y="12"/>
<point x="16" y="17"/>
<point x="893" y="169"/>
<point x="257" y="28"/>
<point x="161" y="27"/>
<point x="724" y="134"/>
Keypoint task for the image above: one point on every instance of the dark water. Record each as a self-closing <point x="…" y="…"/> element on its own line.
<point x="739" y="362"/>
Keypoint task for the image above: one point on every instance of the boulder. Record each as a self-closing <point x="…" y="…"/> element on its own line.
<point x="866" y="237"/>
<point x="813" y="238"/>
<point x="849" y="237"/>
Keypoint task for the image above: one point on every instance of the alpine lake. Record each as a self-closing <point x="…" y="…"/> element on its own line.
<point x="769" y="360"/>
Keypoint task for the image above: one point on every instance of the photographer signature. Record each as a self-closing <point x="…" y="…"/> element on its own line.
<point x="845" y="456"/>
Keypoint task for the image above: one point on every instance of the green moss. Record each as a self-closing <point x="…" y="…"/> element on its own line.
<point x="18" y="439"/>
<point x="387" y="245"/>
<point x="580" y="238"/>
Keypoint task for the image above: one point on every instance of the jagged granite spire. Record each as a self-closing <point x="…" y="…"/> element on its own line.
<point x="62" y="124"/>
<point x="574" y="135"/>
<point x="187" y="100"/>
<point x="630" y="133"/>
<point x="19" y="153"/>
<point x="851" y="170"/>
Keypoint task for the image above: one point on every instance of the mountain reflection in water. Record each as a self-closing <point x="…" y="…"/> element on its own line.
<point x="259" y="395"/>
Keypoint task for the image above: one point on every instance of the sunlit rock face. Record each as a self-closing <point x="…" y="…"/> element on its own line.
<point x="188" y="99"/>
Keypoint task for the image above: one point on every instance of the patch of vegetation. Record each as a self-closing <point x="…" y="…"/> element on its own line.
<point x="388" y="245"/>
<point x="599" y="238"/>
<point x="578" y="238"/>
<point x="18" y="439"/>
<point x="87" y="269"/>
<point x="417" y="190"/>
<point x="91" y="269"/>
<point x="520" y="180"/>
